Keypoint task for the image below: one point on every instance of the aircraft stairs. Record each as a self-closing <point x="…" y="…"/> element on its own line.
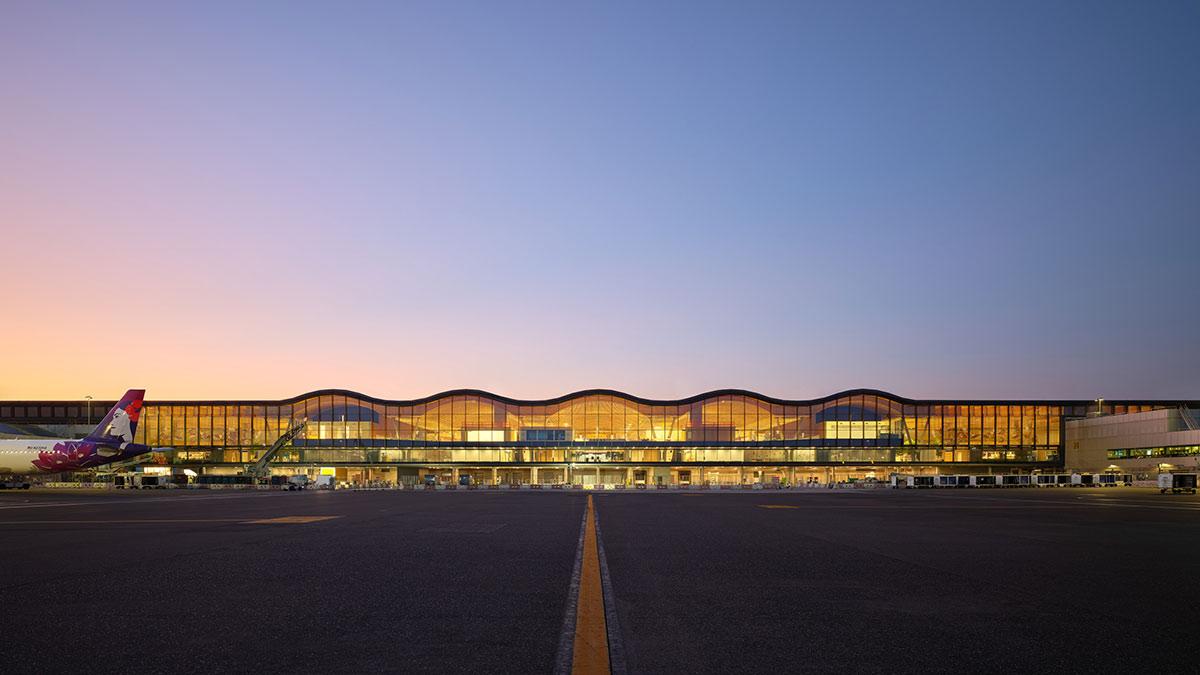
<point x="259" y="468"/>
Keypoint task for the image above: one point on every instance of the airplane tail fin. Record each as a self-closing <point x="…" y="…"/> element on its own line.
<point x="120" y="424"/>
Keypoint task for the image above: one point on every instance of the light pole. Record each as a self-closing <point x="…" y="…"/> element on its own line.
<point x="89" y="408"/>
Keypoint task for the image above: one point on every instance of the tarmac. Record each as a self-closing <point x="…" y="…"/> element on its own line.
<point x="480" y="581"/>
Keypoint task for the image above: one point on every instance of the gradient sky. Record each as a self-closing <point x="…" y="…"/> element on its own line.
<point x="939" y="199"/>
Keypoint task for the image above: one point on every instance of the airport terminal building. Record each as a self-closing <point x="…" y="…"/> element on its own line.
<point x="598" y="436"/>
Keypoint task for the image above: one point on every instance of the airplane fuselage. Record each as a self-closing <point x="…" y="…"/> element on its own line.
<point x="53" y="455"/>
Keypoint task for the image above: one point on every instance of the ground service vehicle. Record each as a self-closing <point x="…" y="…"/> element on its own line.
<point x="147" y="482"/>
<point x="297" y="482"/>
<point x="900" y="480"/>
<point x="1177" y="483"/>
<point x="136" y="481"/>
<point x="212" y="480"/>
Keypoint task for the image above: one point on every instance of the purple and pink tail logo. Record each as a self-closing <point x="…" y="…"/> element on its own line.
<point x="110" y="441"/>
<point x="120" y="424"/>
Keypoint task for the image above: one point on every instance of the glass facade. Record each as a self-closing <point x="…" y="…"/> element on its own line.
<point x="610" y="427"/>
<point x="712" y="436"/>
<point x="1168" y="451"/>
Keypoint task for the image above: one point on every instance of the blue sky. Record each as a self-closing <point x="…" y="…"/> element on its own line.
<point x="950" y="199"/>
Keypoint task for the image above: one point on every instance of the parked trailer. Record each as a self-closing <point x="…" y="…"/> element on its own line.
<point x="901" y="480"/>
<point x="285" y="482"/>
<point x="1177" y="483"/>
<point x="952" y="481"/>
<point x="214" y="479"/>
<point x="1015" y="480"/>
<point x="140" y="481"/>
<point x="1052" y="480"/>
<point x="148" y="481"/>
<point x="1113" y="479"/>
<point x="983" y="481"/>
<point x="1083" y="480"/>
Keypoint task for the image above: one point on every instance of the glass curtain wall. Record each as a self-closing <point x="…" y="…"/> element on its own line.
<point x="725" y="427"/>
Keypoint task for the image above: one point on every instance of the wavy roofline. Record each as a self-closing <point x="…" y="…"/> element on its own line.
<point x="670" y="402"/>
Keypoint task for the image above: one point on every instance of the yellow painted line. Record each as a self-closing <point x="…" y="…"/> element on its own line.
<point x="777" y="506"/>
<point x="283" y="520"/>
<point x="590" y="654"/>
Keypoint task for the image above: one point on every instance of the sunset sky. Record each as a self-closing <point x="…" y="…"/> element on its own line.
<point x="938" y="199"/>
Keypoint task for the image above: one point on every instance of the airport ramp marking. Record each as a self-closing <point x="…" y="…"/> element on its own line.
<point x="777" y="506"/>
<point x="289" y="520"/>
<point x="466" y="528"/>
<point x="616" y="644"/>
<point x="590" y="654"/>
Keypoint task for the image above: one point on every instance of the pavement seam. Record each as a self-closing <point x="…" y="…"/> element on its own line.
<point x="616" y="647"/>
<point x="566" y="639"/>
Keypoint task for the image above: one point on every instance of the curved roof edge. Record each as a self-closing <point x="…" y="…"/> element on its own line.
<point x="592" y="392"/>
<point x="682" y="401"/>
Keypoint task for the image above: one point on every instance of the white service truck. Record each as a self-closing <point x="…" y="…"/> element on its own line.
<point x="1176" y="483"/>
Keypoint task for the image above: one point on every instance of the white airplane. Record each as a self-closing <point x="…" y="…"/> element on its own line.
<point x="111" y="441"/>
